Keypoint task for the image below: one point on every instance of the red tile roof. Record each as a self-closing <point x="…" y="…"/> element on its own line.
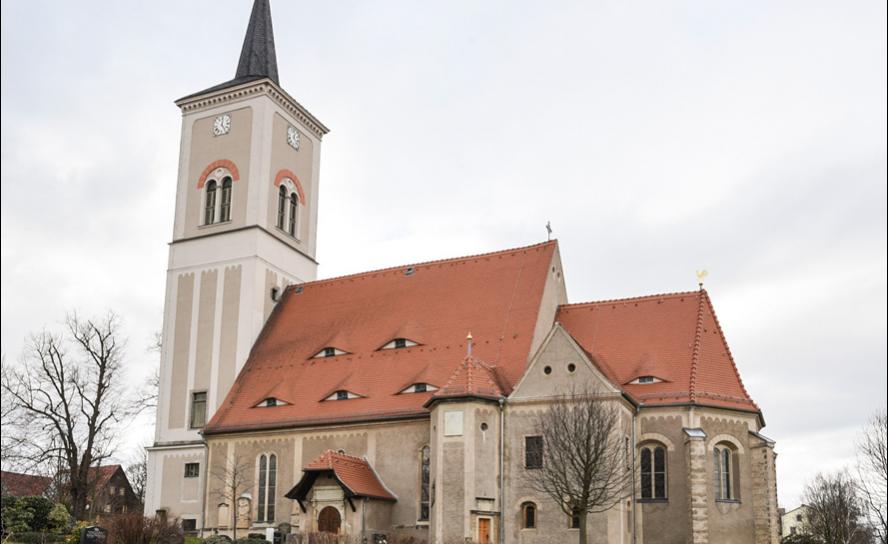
<point x="674" y="337"/>
<point x="102" y="475"/>
<point x="23" y="485"/>
<point x="472" y="378"/>
<point x="354" y="473"/>
<point x="496" y="296"/>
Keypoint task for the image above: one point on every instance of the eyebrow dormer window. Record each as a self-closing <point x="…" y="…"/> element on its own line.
<point x="271" y="402"/>
<point x="342" y="394"/>
<point x="328" y="351"/>
<point x="399" y="343"/>
<point x="420" y="388"/>
<point x="646" y="380"/>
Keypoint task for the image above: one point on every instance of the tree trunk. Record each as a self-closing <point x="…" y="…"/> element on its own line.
<point x="584" y="537"/>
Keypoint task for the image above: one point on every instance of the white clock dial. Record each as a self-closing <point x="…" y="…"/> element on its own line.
<point x="222" y="125"/>
<point x="293" y="137"/>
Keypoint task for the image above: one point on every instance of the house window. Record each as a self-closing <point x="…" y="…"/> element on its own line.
<point x="424" y="478"/>
<point x="724" y="474"/>
<point x="267" y="485"/>
<point x="198" y="409"/>
<point x="653" y="472"/>
<point x="282" y="206"/>
<point x="533" y="452"/>
<point x="293" y="203"/>
<point x="189" y="525"/>
<point x="192" y="470"/>
<point x="573" y="521"/>
<point x="225" y="212"/>
<point x="528" y="515"/>
<point x="210" y="203"/>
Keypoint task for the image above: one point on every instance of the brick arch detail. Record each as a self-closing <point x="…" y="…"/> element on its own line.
<point x="284" y="174"/>
<point x="221" y="163"/>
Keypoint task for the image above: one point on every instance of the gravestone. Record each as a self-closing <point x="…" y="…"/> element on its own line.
<point x="93" y="535"/>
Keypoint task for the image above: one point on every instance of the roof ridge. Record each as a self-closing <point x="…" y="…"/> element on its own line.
<point x="727" y="346"/>
<point x="675" y="294"/>
<point x="423" y="263"/>
<point x="695" y="357"/>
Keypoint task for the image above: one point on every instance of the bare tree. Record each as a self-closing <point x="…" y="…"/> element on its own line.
<point x="233" y="478"/>
<point x="12" y="436"/>
<point x="834" y="510"/>
<point x="584" y="468"/>
<point x="149" y="393"/>
<point x="71" y="403"/>
<point x="872" y="470"/>
<point x="137" y="473"/>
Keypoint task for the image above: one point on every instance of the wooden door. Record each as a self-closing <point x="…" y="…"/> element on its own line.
<point x="484" y="530"/>
<point x="329" y="520"/>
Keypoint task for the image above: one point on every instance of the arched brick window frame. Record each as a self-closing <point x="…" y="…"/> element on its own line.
<point x="221" y="163"/>
<point x="287" y="174"/>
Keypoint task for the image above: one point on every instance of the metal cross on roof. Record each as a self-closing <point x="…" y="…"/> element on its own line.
<point x="548" y="230"/>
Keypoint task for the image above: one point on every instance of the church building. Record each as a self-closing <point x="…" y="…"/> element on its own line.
<point x="403" y="402"/>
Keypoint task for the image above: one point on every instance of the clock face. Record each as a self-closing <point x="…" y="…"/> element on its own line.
<point x="293" y="137"/>
<point x="222" y="125"/>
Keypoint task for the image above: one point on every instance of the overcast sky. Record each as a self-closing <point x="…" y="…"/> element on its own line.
<point x="746" y="138"/>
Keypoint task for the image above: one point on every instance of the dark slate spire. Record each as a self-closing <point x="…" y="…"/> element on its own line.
<point x="257" y="58"/>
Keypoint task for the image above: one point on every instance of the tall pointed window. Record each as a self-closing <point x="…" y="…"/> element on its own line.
<point x="210" y="203"/>
<point x="294" y="201"/>
<point x="424" y="479"/>
<point x="282" y="206"/>
<point x="653" y="472"/>
<point x="225" y="212"/>
<point x="724" y="473"/>
<point x="267" y="485"/>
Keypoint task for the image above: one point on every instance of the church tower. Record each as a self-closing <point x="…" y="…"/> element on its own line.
<point x="245" y="227"/>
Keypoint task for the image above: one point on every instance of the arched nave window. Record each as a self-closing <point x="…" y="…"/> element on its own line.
<point x="424" y="479"/>
<point x="725" y="471"/>
<point x="653" y="471"/>
<point x="267" y="486"/>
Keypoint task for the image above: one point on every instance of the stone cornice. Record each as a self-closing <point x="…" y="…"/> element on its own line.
<point x="252" y="89"/>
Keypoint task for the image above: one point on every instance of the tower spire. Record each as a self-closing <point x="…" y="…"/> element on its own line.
<point x="257" y="58"/>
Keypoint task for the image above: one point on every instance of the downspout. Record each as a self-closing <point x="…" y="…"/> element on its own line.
<point x="634" y="460"/>
<point x="206" y="490"/>
<point x="502" y="464"/>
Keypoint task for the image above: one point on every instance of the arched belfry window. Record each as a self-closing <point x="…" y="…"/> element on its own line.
<point x="267" y="485"/>
<point x="725" y="472"/>
<point x="424" y="479"/>
<point x="653" y="471"/>
<point x="294" y="203"/>
<point x="225" y="211"/>
<point x="282" y="207"/>
<point x="210" y="203"/>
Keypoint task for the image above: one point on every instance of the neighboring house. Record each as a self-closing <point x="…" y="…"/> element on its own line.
<point x="355" y="405"/>
<point x="111" y="492"/>
<point x="24" y="485"/>
<point x="794" y="522"/>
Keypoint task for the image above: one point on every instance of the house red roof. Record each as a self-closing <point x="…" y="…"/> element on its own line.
<point x="673" y="337"/>
<point x="354" y="473"/>
<point x="23" y="485"/>
<point x="102" y="475"/>
<point x="496" y="296"/>
<point x="472" y="378"/>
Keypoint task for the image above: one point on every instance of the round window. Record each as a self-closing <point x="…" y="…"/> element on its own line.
<point x="484" y="426"/>
<point x="547" y="370"/>
<point x="571" y="367"/>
